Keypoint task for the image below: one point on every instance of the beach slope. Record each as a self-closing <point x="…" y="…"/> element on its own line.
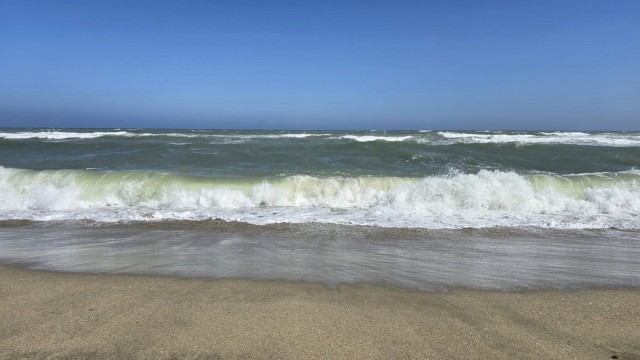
<point x="55" y="315"/>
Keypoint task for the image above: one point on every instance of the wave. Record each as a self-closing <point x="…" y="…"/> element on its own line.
<point x="558" y="137"/>
<point x="369" y="138"/>
<point x="263" y="136"/>
<point x="487" y="198"/>
<point x="619" y="139"/>
<point x="225" y="138"/>
<point x="63" y="135"/>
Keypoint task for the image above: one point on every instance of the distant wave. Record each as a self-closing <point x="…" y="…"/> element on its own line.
<point x="428" y="137"/>
<point x="487" y="198"/>
<point x="368" y="138"/>
<point x="264" y="136"/>
<point x="63" y="135"/>
<point x="60" y="135"/>
<point x="559" y="137"/>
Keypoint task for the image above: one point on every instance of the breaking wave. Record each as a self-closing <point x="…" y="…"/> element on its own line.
<point x="558" y="137"/>
<point x="487" y="198"/>
<point x="69" y="135"/>
<point x="369" y="138"/>
<point x="617" y="139"/>
<point x="61" y="135"/>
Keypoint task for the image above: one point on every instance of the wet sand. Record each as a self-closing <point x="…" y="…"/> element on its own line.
<point x="57" y="315"/>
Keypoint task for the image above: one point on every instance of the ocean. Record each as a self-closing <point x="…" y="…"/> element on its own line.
<point x="294" y="205"/>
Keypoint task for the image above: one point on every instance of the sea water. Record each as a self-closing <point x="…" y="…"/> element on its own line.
<point x="424" y="186"/>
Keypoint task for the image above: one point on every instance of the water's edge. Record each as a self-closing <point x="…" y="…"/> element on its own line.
<point x="506" y="259"/>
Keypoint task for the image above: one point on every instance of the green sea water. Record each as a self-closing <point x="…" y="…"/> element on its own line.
<point x="429" y="210"/>
<point x="428" y="179"/>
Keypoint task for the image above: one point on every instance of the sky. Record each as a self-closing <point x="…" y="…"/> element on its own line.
<point x="561" y="64"/>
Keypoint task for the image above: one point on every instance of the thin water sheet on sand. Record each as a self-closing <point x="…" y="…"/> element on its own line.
<point x="426" y="259"/>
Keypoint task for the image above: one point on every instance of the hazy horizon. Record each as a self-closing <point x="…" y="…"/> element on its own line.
<point x="313" y="129"/>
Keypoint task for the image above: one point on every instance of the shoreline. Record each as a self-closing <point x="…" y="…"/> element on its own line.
<point x="61" y="315"/>
<point x="432" y="260"/>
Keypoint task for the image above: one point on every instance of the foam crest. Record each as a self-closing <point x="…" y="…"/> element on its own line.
<point x="559" y="137"/>
<point x="61" y="135"/>
<point x="488" y="198"/>
<point x="618" y="139"/>
<point x="293" y="135"/>
<point x="369" y="138"/>
<point x="264" y="136"/>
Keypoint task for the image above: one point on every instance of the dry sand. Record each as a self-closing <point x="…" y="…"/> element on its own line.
<point x="51" y="315"/>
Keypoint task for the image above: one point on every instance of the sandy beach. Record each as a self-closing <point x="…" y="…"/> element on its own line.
<point x="58" y="315"/>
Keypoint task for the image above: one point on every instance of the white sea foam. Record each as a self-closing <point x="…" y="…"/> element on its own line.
<point x="265" y="136"/>
<point x="368" y="138"/>
<point x="565" y="133"/>
<point x="559" y="137"/>
<point x="488" y="198"/>
<point x="423" y="136"/>
<point x="294" y="135"/>
<point x="61" y="135"/>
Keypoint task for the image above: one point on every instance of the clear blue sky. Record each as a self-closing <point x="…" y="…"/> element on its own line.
<point x="321" y="64"/>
